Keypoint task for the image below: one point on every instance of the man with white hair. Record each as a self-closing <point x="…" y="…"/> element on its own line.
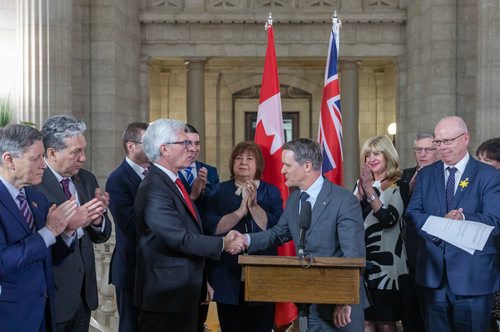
<point x="458" y="286"/>
<point x="171" y="247"/>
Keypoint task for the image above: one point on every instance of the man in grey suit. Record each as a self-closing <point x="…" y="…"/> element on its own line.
<point x="63" y="179"/>
<point x="336" y="227"/>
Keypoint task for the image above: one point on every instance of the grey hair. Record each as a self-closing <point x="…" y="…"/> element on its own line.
<point x="59" y="127"/>
<point x="16" y="137"/>
<point x="160" y="132"/>
<point x="423" y="134"/>
<point x="306" y="150"/>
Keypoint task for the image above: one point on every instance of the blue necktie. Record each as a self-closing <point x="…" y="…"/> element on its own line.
<point x="303" y="197"/>
<point x="26" y="211"/>
<point x="189" y="176"/>
<point x="450" y="188"/>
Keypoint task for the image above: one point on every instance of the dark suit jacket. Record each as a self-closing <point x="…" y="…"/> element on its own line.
<point x="78" y="269"/>
<point x="171" y="248"/>
<point x="202" y="201"/>
<point x="26" y="276"/>
<point x="467" y="274"/>
<point x="212" y="177"/>
<point x="122" y="187"/>
<point x="408" y="230"/>
<point x="225" y="275"/>
<point x="408" y="174"/>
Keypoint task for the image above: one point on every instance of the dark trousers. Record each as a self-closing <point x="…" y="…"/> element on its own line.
<point x="412" y="306"/>
<point x="446" y="311"/>
<point x="246" y="317"/>
<point x="78" y="323"/>
<point x="321" y="319"/>
<point x="128" y="313"/>
<point x="202" y="317"/>
<point x="167" y="321"/>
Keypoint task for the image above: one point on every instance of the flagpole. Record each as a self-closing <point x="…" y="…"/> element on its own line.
<point x="269" y="136"/>
<point x="330" y="119"/>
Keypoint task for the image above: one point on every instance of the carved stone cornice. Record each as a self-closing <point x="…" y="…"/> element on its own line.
<point x="159" y="17"/>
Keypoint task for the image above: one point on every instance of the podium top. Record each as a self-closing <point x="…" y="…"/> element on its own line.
<point x="294" y="261"/>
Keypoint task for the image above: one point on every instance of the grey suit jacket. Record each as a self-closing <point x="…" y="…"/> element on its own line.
<point x="78" y="269"/>
<point x="336" y="225"/>
<point x="336" y="230"/>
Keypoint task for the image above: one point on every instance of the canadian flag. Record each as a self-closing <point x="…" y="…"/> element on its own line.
<point x="269" y="135"/>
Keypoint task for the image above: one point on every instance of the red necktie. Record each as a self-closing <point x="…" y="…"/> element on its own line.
<point x="186" y="197"/>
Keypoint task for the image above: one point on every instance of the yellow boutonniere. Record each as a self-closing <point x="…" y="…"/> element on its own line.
<point x="464" y="183"/>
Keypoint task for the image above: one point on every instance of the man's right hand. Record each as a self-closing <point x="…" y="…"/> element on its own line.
<point x="79" y="219"/>
<point x="234" y="242"/>
<point x="199" y="183"/>
<point x="59" y="216"/>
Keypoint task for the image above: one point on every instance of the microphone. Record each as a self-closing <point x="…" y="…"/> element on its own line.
<point x="304" y="224"/>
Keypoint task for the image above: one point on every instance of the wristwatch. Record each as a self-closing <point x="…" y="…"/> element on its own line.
<point x="371" y="198"/>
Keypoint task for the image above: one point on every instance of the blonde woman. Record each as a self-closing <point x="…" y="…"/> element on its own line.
<point x="383" y="198"/>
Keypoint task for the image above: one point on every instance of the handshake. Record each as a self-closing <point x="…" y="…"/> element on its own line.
<point x="235" y="242"/>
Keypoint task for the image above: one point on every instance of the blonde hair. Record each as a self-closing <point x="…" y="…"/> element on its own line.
<point x="384" y="145"/>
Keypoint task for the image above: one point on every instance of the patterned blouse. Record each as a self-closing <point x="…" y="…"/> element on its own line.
<point x="385" y="251"/>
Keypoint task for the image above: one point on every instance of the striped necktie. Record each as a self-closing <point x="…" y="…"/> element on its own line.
<point x="189" y="176"/>
<point x="26" y="211"/>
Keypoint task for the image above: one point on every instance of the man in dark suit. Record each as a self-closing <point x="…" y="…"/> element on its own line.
<point x="171" y="248"/>
<point x="199" y="179"/>
<point x="28" y="231"/>
<point x="458" y="287"/>
<point x="122" y="187"/>
<point x="63" y="179"/>
<point x="425" y="154"/>
<point x="336" y="227"/>
<point x="413" y="306"/>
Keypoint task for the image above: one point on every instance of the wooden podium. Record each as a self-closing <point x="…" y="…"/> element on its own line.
<point x="283" y="279"/>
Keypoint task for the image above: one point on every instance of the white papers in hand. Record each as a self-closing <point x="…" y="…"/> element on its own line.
<point x="464" y="234"/>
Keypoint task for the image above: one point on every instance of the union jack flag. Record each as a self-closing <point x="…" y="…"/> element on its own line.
<point x="330" y="118"/>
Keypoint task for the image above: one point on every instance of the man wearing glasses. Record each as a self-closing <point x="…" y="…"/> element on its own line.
<point x="413" y="307"/>
<point x="171" y="247"/>
<point x="425" y="154"/>
<point x="458" y="287"/>
<point x="199" y="179"/>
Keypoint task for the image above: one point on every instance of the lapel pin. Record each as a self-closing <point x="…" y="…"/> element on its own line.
<point x="35" y="204"/>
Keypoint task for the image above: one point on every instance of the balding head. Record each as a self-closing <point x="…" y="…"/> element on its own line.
<point x="452" y="139"/>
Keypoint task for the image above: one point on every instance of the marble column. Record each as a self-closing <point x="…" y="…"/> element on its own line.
<point x="349" y="89"/>
<point x="144" y="85"/>
<point x="45" y="41"/>
<point x="486" y="112"/>
<point x="196" y="97"/>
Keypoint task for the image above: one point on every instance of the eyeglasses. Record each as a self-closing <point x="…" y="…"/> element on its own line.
<point x="136" y="142"/>
<point x="187" y="143"/>
<point x="426" y="150"/>
<point x="447" y="141"/>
